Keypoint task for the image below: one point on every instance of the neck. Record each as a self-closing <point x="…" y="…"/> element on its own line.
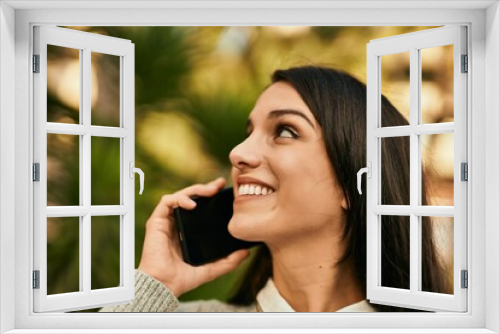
<point x="309" y="277"/>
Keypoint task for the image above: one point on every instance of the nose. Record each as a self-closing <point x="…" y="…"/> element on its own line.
<point x="245" y="154"/>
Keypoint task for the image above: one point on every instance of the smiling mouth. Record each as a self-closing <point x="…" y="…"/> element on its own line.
<point x="254" y="189"/>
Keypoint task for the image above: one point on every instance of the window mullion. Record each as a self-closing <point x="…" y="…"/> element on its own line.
<point x="421" y="129"/>
<point x="80" y="130"/>
<point x="415" y="79"/>
<point x="436" y="128"/>
<point x="406" y="210"/>
<point x="392" y="131"/>
<point x="85" y="166"/>
<point x="80" y="211"/>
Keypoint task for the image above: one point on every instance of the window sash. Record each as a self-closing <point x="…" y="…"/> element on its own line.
<point x="413" y="298"/>
<point x="85" y="42"/>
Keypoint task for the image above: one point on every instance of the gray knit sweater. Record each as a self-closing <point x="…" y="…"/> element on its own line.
<point x="153" y="296"/>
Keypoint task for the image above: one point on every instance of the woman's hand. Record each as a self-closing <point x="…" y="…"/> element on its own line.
<point x="161" y="255"/>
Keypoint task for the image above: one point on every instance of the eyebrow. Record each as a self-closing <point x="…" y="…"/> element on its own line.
<point x="282" y="112"/>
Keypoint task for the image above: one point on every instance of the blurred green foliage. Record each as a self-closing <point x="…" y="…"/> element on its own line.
<point x="195" y="87"/>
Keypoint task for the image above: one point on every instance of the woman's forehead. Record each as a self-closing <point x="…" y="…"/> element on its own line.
<point x="280" y="95"/>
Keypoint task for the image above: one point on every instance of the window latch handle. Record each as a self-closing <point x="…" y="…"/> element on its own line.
<point x="368" y="171"/>
<point x="138" y="171"/>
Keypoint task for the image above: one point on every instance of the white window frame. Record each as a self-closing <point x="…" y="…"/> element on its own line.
<point x="483" y="20"/>
<point x="86" y="44"/>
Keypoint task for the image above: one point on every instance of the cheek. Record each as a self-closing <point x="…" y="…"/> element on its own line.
<point x="310" y="189"/>
<point x="310" y="199"/>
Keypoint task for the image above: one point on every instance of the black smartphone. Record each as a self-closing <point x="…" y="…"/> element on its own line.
<point x="203" y="233"/>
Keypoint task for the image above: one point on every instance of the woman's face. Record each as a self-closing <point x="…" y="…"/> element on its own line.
<point x="284" y="184"/>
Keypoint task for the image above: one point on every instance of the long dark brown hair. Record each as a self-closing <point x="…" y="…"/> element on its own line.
<point x="338" y="102"/>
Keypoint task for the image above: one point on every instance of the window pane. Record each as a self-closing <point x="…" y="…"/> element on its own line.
<point x="63" y="255"/>
<point x="63" y="169"/>
<point x="105" y="252"/>
<point x="437" y="239"/>
<point x="105" y="184"/>
<point x="395" y="170"/>
<point x="437" y="169"/>
<point x="63" y="85"/>
<point x="105" y="90"/>
<point x="395" y="85"/>
<point x="395" y="250"/>
<point x="437" y="84"/>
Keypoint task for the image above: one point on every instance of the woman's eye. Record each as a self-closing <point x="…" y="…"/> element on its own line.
<point x="285" y="132"/>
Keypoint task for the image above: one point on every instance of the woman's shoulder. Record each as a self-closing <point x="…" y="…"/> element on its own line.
<point x="212" y="305"/>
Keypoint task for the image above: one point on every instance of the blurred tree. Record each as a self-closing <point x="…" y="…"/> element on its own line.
<point x="198" y="84"/>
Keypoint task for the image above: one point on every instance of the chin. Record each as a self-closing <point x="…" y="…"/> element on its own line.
<point x="244" y="230"/>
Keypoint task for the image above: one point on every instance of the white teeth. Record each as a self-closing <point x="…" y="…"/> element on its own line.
<point x="253" y="189"/>
<point x="257" y="190"/>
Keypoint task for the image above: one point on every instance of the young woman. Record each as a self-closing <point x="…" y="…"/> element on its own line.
<point x="294" y="179"/>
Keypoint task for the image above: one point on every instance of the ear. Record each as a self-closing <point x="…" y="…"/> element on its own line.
<point x="344" y="204"/>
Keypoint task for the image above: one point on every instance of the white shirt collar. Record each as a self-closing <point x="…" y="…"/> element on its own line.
<point x="270" y="300"/>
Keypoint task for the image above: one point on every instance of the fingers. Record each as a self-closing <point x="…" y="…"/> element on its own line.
<point x="207" y="190"/>
<point x="227" y="264"/>
<point x="182" y="198"/>
<point x="169" y="202"/>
